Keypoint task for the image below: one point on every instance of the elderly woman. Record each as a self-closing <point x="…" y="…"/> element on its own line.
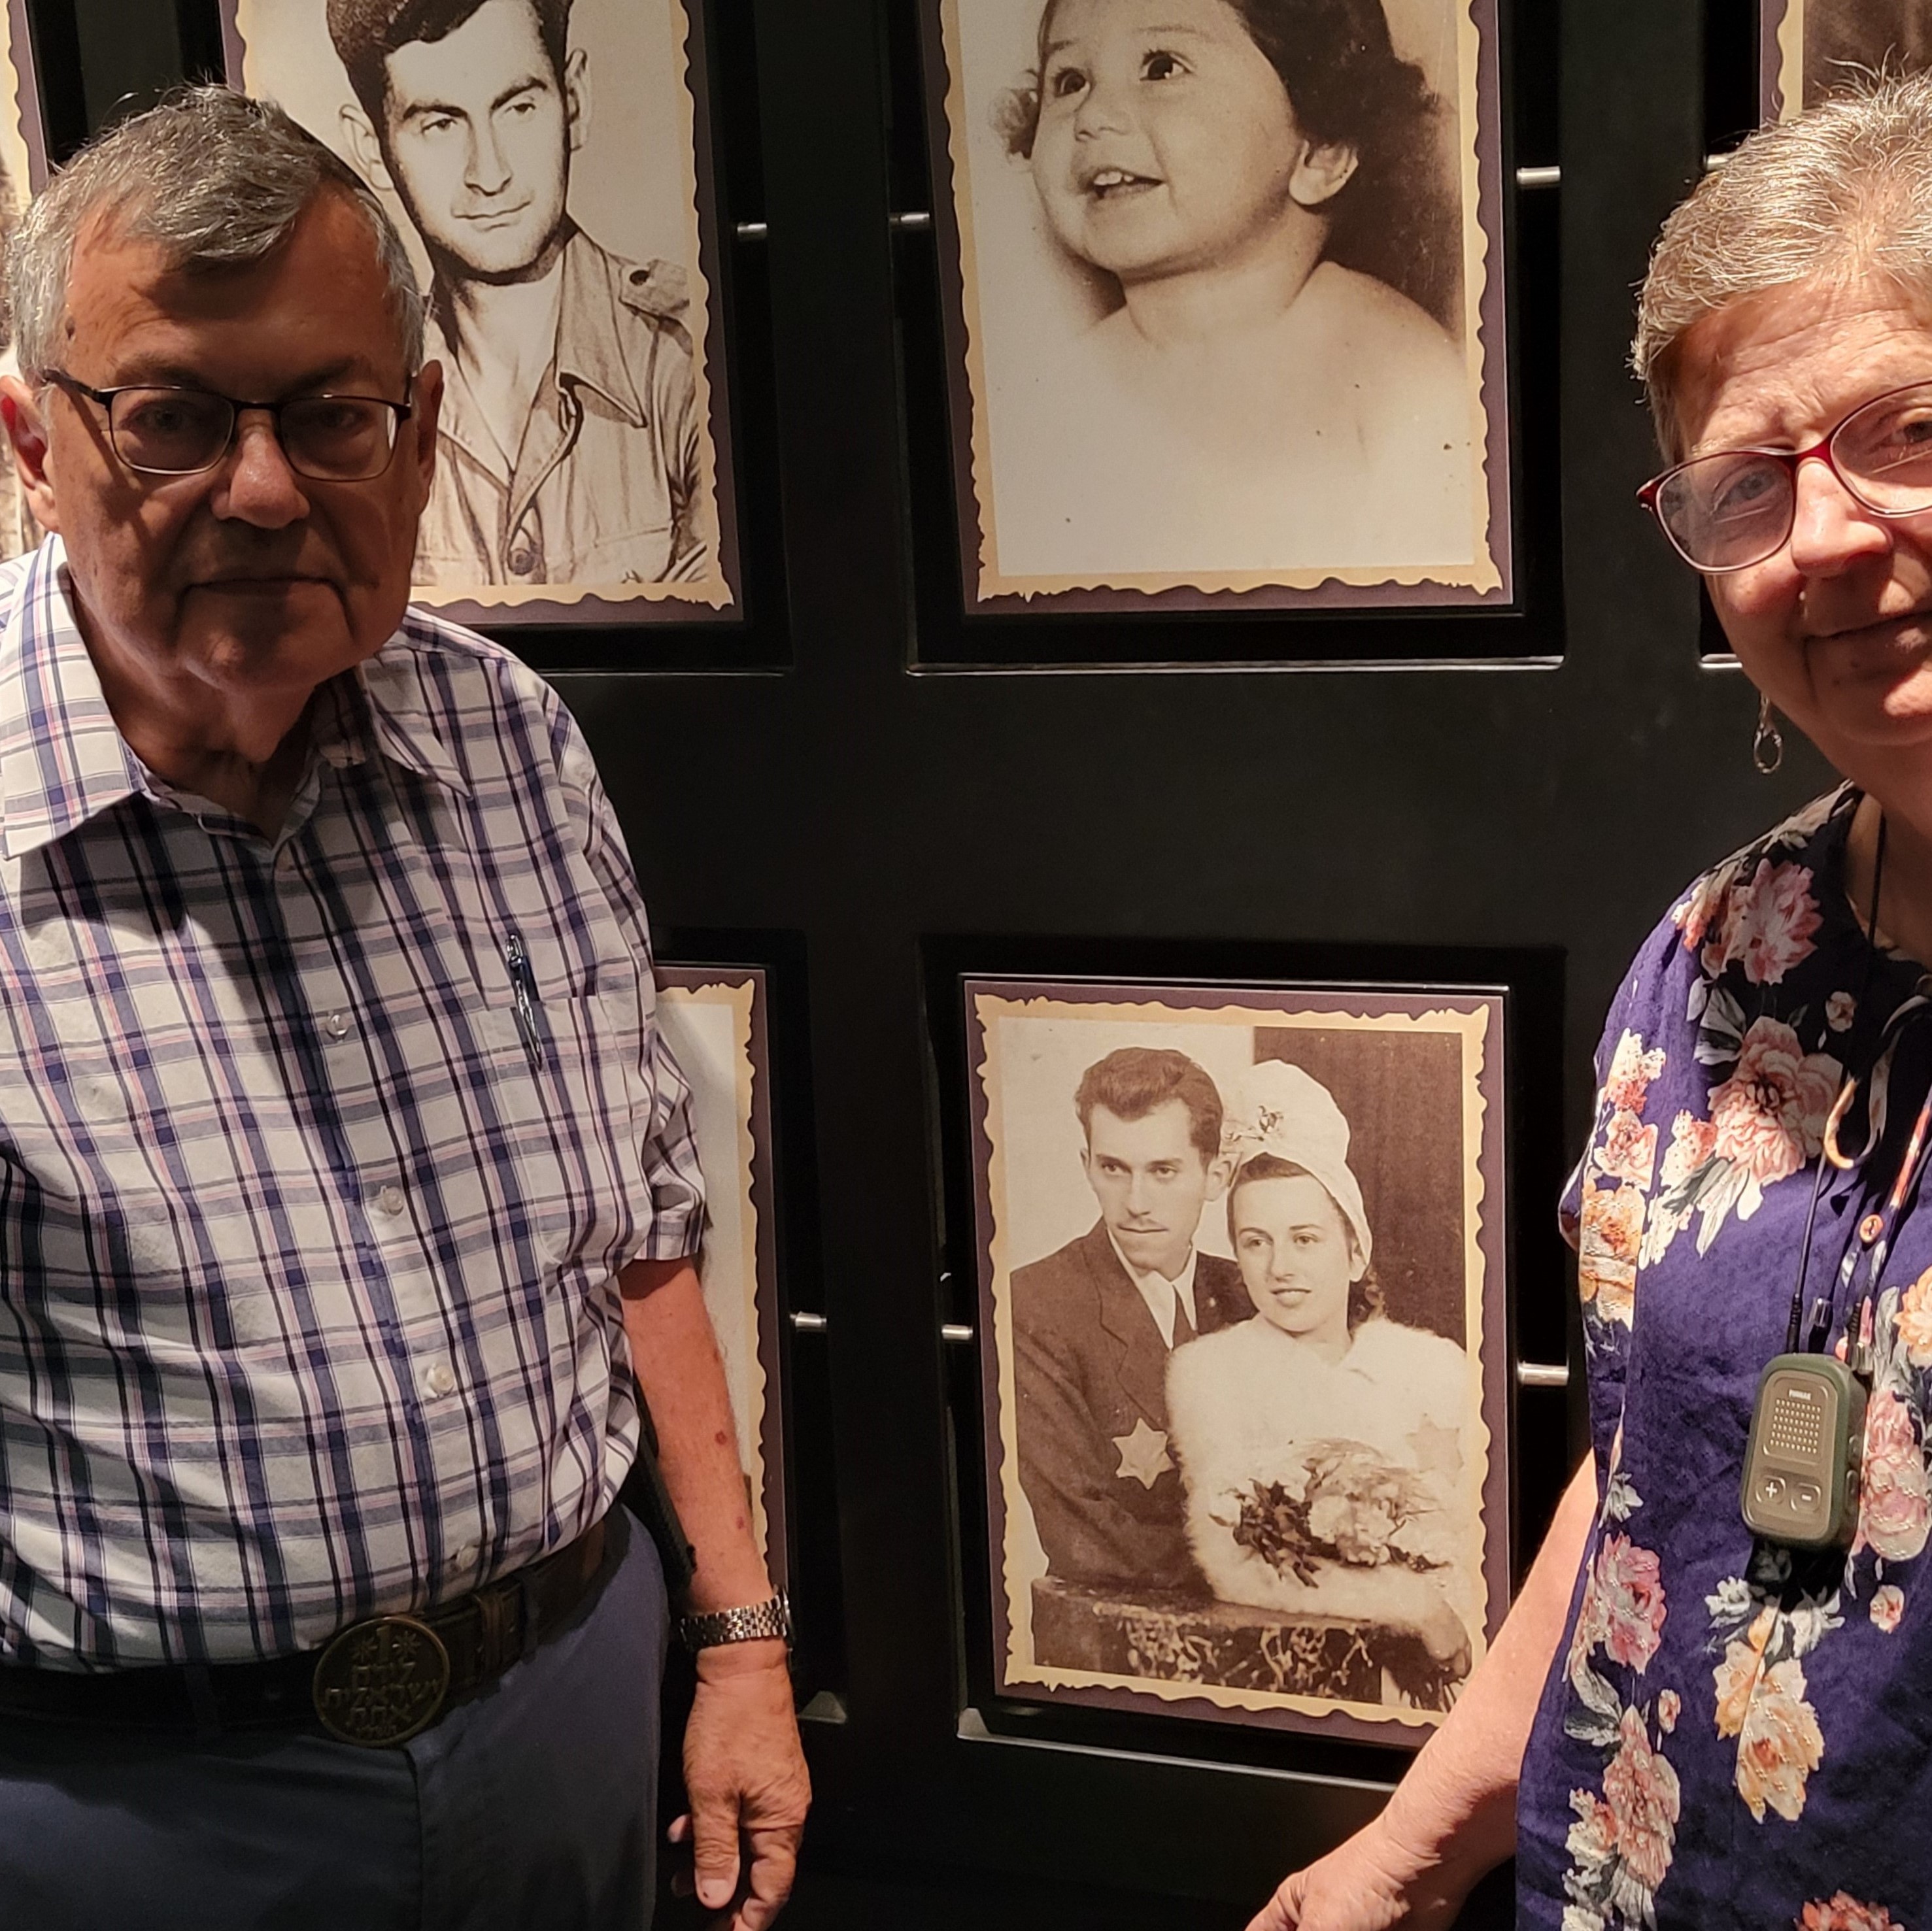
<point x="1683" y="1723"/>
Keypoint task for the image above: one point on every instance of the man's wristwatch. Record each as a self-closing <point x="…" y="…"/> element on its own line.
<point x="708" y="1628"/>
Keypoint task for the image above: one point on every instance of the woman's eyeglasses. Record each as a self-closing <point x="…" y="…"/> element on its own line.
<point x="1735" y="507"/>
<point x="180" y="432"/>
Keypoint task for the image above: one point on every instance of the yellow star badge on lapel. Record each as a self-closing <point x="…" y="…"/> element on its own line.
<point x="1144" y="1454"/>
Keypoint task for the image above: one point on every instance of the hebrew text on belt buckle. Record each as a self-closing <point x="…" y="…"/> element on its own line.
<point x="380" y="1682"/>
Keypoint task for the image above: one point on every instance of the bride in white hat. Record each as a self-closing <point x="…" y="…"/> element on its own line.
<point x="1322" y="1444"/>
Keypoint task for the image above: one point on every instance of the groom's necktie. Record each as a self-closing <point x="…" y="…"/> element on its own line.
<point x="1183" y="1328"/>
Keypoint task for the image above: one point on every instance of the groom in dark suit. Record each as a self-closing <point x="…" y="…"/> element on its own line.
<point x="1094" y="1323"/>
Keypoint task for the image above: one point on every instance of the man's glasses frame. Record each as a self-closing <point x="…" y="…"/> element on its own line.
<point x="1825" y="449"/>
<point x="395" y="414"/>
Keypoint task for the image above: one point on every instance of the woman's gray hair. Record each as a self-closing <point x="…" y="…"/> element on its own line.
<point x="1841" y="193"/>
<point x="215" y="181"/>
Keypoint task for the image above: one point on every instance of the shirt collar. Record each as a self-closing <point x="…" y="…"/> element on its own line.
<point x="63" y="760"/>
<point x="588" y="351"/>
<point x="1147" y="1278"/>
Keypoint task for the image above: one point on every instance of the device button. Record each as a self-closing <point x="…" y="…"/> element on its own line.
<point x="1771" y="1488"/>
<point x="1807" y="1495"/>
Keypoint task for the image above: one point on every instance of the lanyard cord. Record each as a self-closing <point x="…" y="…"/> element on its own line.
<point x="1874" y="1236"/>
<point x="1828" y="1156"/>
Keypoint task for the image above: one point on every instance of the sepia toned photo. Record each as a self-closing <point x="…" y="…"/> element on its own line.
<point x="543" y="160"/>
<point x="1225" y="299"/>
<point x="713" y="1018"/>
<point x="1243" y="1343"/>
<point x="23" y="170"/>
<point x="1812" y="46"/>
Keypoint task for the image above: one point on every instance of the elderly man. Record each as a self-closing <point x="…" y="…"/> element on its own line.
<point x="345" y="1184"/>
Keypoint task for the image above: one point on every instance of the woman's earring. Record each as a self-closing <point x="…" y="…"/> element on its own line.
<point x="1768" y="746"/>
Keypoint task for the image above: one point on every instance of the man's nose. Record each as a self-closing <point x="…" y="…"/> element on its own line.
<point x="1831" y="529"/>
<point x="258" y="486"/>
<point x="488" y="172"/>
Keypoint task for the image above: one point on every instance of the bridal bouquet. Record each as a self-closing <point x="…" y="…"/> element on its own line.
<point x="1345" y="1504"/>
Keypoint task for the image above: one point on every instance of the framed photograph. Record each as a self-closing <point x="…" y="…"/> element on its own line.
<point x="1224" y="301"/>
<point x="1811" y="46"/>
<point x="1244" y="1347"/>
<point x="549" y="165"/>
<point x="714" y="1020"/>
<point x="23" y="172"/>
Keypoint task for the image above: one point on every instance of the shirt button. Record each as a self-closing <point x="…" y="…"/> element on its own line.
<point x="437" y="1380"/>
<point x="336" y="1025"/>
<point x="389" y="1201"/>
<point x="465" y="1557"/>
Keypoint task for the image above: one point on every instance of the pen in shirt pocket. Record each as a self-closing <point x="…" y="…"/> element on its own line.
<point x="523" y="989"/>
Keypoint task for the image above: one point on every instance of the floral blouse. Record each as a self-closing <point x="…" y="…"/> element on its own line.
<point x="1735" y="1735"/>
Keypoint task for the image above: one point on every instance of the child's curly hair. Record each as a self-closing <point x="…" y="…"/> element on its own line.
<point x="1396" y="218"/>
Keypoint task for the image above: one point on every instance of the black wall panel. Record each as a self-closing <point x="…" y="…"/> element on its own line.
<point x="870" y="816"/>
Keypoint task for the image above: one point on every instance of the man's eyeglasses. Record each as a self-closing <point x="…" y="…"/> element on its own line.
<point x="1735" y="507"/>
<point x="166" y="431"/>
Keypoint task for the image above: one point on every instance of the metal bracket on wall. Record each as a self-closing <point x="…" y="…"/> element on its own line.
<point x="957" y="1333"/>
<point x="750" y="231"/>
<point x="802" y="1323"/>
<point x="1542" y="1374"/>
<point x="1539" y="176"/>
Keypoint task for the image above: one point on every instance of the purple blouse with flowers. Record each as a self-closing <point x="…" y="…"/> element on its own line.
<point x="1733" y="1735"/>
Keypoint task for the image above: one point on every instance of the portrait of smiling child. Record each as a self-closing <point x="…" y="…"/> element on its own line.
<point x="1253" y="194"/>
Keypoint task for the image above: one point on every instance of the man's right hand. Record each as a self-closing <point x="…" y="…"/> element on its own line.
<point x="1367" y="1884"/>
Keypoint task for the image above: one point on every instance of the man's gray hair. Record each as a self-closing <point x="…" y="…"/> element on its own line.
<point x="1839" y="195"/>
<point x="215" y="181"/>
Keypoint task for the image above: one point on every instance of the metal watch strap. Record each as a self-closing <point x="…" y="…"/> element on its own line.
<point x="708" y="1628"/>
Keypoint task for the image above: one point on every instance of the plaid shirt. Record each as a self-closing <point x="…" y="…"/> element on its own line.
<point x="309" y="1224"/>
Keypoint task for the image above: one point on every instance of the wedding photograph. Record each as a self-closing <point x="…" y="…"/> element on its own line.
<point x="713" y="1018"/>
<point x="1243" y="1342"/>
<point x="543" y="161"/>
<point x="1224" y="299"/>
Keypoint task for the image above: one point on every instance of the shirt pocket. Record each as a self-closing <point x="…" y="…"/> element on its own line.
<point x="567" y="1093"/>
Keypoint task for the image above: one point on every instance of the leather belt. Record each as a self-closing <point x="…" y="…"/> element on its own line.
<point x="377" y="1682"/>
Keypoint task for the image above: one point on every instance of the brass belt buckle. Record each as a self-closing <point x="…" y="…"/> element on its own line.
<point x="379" y="1683"/>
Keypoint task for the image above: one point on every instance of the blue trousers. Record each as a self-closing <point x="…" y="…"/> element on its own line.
<point x="531" y="1807"/>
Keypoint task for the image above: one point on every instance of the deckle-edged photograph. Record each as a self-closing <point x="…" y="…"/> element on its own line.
<point x="23" y="170"/>
<point x="1811" y="47"/>
<point x="547" y="163"/>
<point x="1243" y="1346"/>
<point x="1224" y="299"/>
<point x="713" y="1018"/>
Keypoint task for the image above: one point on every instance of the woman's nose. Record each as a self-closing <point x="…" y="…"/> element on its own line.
<point x="1831" y="529"/>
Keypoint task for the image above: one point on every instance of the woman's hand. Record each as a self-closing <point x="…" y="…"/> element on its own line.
<point x="1367" y="1884"/>
<point x="1453" y="1816"/>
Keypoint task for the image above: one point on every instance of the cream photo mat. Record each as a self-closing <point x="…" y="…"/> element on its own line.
<point x="708" y="1021"/>
<point x="1020" y="1072"/>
